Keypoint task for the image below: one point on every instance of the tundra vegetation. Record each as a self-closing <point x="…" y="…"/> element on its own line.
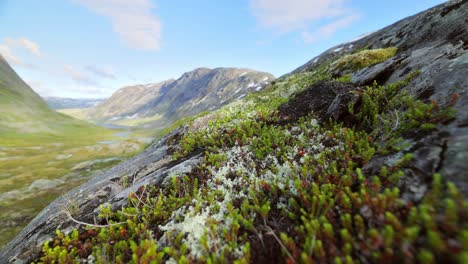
<point x="36" y="168"/>
<point x="274" y="188"/>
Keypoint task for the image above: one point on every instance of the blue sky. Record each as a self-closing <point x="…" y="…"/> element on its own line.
<point x="90" y="48"/>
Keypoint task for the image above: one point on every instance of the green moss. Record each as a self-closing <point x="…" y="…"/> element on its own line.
<point x="362" y="59"/>
<point x="297" y="190"/>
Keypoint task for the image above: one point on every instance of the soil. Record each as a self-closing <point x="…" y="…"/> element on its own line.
<point x="326" y="99"/>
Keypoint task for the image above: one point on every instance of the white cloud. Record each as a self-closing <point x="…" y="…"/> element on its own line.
<point x="24" y="43"/>
<point x="78" y="76"/>
<point x="101" y="72"/>
<point x="329" y="29"/>
<point x="285" y="16"/>
<point x="7" y="53"/>
<point x="131" y="20"/>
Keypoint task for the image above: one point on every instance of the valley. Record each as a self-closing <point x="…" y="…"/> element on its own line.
<point x="37" y="168"/>
<point x="50" y="145"/>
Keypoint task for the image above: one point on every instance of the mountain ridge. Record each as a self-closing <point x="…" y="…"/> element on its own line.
<point x="199" y="90"/>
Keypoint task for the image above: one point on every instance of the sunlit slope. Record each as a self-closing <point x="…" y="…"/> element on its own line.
<point x="23" y="112"/>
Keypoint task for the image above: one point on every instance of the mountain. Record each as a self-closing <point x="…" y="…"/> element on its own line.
<point x="196" y="91"/>
<point x="357" y="156"/>
<point x="68" y="103"/>
<point x="23" y="110"/>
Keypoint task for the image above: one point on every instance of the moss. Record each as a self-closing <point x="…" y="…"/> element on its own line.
<point x="362" y="59"/>
<point x="293" y="192"/>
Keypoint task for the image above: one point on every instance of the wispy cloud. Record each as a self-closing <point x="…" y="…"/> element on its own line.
<point x="328" y="30"/>
<point x="78" y="76"/>
<point x="101" y="72"/>
<point x="10" y="45"/>
<point x="131" y="20"/>
<point x="8" y="54"/>
<point x="24" y="43"/>
<point x="283" y="16"/>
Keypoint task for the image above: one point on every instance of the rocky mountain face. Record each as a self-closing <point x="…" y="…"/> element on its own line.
<point x="68" y="103"/>
<point x="199" y="90"/>
<point x="369" y="187"/>
<point x="435" y="43"/>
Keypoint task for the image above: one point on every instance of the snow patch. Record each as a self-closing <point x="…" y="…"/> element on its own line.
<point x="132" y="116"/>
<point x="115" y="118"/>
<point x="337" y="49"/>
<point x="243" y="74"/>
<point x="360" y="37"/>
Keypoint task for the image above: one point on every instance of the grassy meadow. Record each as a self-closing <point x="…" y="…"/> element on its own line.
<point x="37" y="168"/>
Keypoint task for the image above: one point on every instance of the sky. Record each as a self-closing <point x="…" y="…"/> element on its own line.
<point x="91" y="48"/>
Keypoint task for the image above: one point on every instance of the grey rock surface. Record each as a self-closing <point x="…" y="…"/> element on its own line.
<point x="434" y="42"/>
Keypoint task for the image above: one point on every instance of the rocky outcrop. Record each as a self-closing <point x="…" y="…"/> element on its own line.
<point x="434" y="42"/>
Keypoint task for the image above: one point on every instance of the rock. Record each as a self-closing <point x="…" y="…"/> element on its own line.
<point x="455" y="157"/>
<point x="90" y="163"/>
<point x="63" y="156"/>
<point x="434" y="42"/>
<point x="44" y="184"/>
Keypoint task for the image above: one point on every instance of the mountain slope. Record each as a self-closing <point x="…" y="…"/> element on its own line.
<point x="24" y="111"/>
<point x="196" y="91"/>
<point x="21" y="106"/>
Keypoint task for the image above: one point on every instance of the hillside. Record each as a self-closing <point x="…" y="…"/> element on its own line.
<point x="25" y="112"/>
<point x="358" y="156"/>
<point x="160" y="104"/>
<point x="44" y="154"/>
<point x="22" y="108"/>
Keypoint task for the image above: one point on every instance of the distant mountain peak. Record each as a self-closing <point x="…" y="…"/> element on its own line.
<point x="198" y="90"/>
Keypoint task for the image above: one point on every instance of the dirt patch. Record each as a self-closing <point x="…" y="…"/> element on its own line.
<point x="327" y="99"/>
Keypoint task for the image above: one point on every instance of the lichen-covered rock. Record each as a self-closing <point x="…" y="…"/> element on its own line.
<point x="434" y="42"/>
